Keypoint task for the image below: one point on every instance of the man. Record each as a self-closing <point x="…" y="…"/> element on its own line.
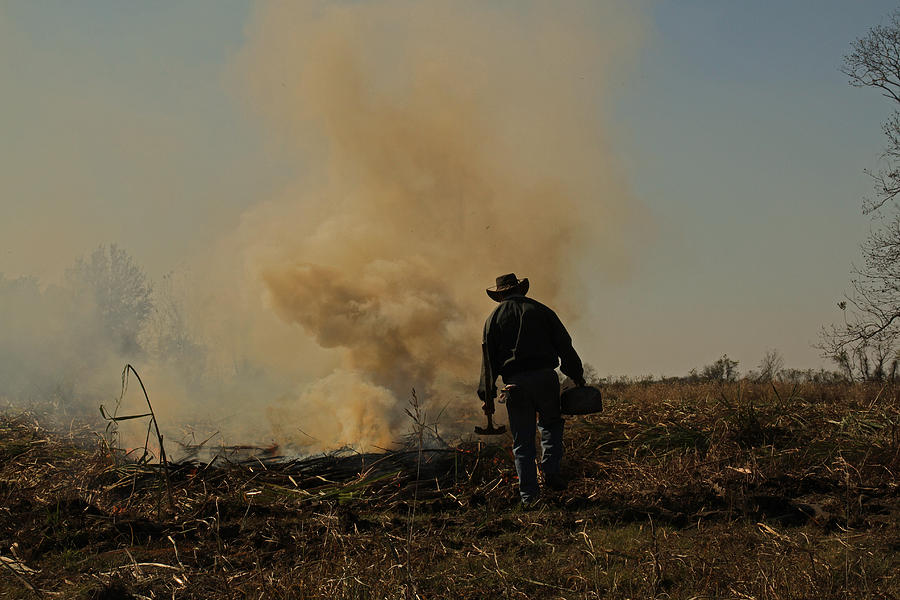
<point x="524" y="342"/>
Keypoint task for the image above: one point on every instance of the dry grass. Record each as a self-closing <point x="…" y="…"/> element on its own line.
<point x="678" y="491"/>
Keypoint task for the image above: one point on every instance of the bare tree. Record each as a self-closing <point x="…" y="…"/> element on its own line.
<point x="723" y="369"/>
<point x="865" y="343"/>
<point x="120" y="292"/>
<point x="166" y="335"/>
<point x="770" y="366"/>
<point x="875" y="62"/>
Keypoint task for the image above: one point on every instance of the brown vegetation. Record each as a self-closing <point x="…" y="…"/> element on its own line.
<point x="679" y="490"/>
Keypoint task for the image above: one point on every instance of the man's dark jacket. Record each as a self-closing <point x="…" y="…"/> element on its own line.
<point x="524" y="335"/>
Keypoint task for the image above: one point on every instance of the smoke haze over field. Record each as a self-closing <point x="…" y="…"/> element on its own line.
<point x="432" y="146"/>
<point x="445" y="143"/>
<point x="391" y="158"/>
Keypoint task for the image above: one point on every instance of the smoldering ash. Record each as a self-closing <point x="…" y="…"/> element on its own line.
<point x="441" y="144"/>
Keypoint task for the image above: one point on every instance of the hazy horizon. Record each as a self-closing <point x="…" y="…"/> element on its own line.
<point x="679" y="182"/>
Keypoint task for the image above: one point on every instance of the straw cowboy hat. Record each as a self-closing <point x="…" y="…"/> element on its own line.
<point x="507" y="283"/>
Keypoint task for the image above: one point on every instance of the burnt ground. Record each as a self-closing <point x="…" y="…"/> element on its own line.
<point x="677" y="490"/>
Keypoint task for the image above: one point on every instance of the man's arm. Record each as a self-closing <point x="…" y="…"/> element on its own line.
<point x="570" y="363"/>
<point x="486" y="389"/>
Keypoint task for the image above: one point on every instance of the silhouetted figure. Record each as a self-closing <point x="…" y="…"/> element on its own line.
<point x="524" y="342"/>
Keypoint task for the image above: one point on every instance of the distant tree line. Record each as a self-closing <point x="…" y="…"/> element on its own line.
<point x="724" y="369"/>
<point x="61" y="342"/>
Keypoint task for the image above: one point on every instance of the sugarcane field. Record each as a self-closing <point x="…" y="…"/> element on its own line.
<point x="449" y="299"/>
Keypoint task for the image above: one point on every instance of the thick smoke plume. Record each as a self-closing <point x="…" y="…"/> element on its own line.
<point x="443" y="143"/>
<point x="437" y="145"/>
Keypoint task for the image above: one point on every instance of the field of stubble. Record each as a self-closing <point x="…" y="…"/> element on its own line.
<point x="678" y="490"/>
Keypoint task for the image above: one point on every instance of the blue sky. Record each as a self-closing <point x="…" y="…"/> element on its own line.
<point x="733" y="125"/>
<point x="742" y="136"/>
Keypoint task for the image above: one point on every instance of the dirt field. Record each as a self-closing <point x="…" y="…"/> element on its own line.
<point x="678" y="490"/>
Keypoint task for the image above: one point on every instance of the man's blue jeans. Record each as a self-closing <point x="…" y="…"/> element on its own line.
<point x="531" y="394"/>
